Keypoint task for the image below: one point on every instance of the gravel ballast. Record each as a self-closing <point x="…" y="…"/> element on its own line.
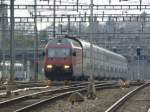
<point x="105" y="98"/>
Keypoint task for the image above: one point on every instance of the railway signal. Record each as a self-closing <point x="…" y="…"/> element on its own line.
<point x="138" y="50"/>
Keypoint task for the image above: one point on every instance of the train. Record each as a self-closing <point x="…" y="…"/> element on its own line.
<point x="20" y="74"/>
<point x="69" y="58"/>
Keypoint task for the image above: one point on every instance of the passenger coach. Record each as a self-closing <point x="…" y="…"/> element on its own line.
<point x="68" y="58"/>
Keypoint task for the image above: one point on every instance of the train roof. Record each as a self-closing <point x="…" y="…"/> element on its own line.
<point x="64" y="41"/>
<point x="102" y="49"/>
<point x="74" y="41"/>
<point x="85" y="44"/>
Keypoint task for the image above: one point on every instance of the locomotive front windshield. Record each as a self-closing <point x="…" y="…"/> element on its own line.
<point x="58" y="52"/>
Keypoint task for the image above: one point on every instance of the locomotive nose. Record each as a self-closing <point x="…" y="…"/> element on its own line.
<point x="60" y="67"/>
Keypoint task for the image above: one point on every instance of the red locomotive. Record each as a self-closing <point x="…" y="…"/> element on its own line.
<point x="63" y="58"/>
<point x="69" y="58"/>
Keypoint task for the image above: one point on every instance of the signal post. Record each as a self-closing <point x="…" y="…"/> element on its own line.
<point x="91" y="85"/>
<point x="10" y="84"/>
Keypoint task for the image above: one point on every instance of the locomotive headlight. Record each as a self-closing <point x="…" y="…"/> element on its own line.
<point x="66" y="66"/>
<point x="49" y="66"/>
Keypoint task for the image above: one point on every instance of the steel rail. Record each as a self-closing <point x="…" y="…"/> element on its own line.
<point x="59" y="96"/>
<point x="20" y="85"/>
<point x="23" y="86"/>
<point x="122" y="100"/>
<point x="47" y="91"/>
<point x="26" y="97"/>
<point x="39" y="84"/>
<point x="62" y="95"/>
<point x="67" y="90"/>
<point x="56" y="97"/>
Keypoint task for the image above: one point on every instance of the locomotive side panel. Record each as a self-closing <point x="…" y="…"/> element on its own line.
<point x="86" y="60"/>
<point x="77" y="62"/>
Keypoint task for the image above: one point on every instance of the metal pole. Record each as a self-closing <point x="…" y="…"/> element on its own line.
<point x="54" y="14"/>
<point x="139" y="67"/>
<point x="140" y="4"/>
<point x="61" y="29"/>
<point x="3" y="36"/>
<point x="91" y="86"/>
<point x="91" y="36"/>
<point x="11" y="79"/>
<point x="79" y="29"/>
<point x="143" y="74"/>
<point x="109" y="2"/>
<point x="36" y="41"/>
<point x="68" y="31"/>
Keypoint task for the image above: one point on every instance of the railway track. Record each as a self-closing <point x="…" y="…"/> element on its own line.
<point x="24" y="86"/>
<point x="20" y="85"/>
<point x="29" y="90"/>
<point x="29" y="102"/>
<point x="125" y="98"/>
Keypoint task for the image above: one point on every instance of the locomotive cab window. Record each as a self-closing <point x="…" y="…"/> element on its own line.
<point x="58" y="52"/>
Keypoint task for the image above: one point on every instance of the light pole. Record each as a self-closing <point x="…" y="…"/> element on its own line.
<point x="91" y="86"/>
<point x="54" y="18"/>
<point x="91" y="36"/>
<point x="10" y="84"/>
<point x="3" y="36"/>
<point x="11" y="79"/>
<point x="36" y="42"/>
<point x="68" y="27"/>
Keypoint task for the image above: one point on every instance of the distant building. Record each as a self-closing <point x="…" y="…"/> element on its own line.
<point x="3" y="24"/>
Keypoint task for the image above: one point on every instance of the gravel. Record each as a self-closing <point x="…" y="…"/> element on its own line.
<point x="105" y="98"/>
<point x="138" y="103"/>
